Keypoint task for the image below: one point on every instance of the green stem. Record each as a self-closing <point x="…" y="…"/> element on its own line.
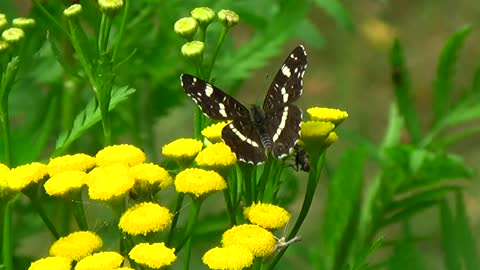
<point x="228" y="202"/>
<point x="223" y="34"/>
<point x="198" y="123"/>
<point x="121" y="30"/>
<point x="192" y="221"/>
<point x="313" y="178"/>
<point x="50" y="17"/>
<point x="173" y="227"/>
<point x="245" y="172"/>
<point x="7" y="149"/>
<point x="7" y="252"/>
<point x="37" y="206"/>
<point x="79" y="212"/>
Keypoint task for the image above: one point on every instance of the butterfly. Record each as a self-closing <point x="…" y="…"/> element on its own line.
<point x="274" y="127"/>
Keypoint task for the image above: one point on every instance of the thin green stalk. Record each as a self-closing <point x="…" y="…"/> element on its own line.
<point x="173" y="226"/>
<point x="75" y="30"/>
<point x="223" y="34"/>
<point x="37" y="206"/>
<point x="7" y="149"/>
<point x="79" y="212"/>
<point x="192" y="221"/>
<point x="264" y="178"/>
<point x="50" y="17"/>
<point x="313" y="178"/>
<point x="121" y="30"/>
<point x="7" y="252"/>
<point x="228" y="202"/>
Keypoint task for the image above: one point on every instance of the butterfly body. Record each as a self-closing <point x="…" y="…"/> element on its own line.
<point x="273" y="127"/>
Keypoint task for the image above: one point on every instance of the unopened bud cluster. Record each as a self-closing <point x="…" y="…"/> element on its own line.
<point x="14" y="33"/>
<point x="201" y="17"/>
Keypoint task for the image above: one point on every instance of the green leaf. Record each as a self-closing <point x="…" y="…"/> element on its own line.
<point x="88" y="117"/>
<point x="360" y="261"/>
<point x="406" y="213"/>
<point x="394" y="129"/>
<point x="445" y="72"/>
<point x="342" y="209"/>
<point x="403" y="95"/>
<point x="451" y="249"/>
<point x="406" y="255"/>
<point x="465" y="235"/>
<point x="309" y="32"/>
<point x="335" y="9"/>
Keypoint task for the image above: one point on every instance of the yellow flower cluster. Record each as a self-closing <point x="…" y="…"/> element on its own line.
<point x="266" y="215"/>
<point x="155" y="256"/>
<point x="145" y="218"/>
<point x="76" y="245"/>
<point x="199" y="182"/>
<point x="214" y="132"/>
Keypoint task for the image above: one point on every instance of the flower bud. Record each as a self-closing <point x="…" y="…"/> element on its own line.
<point x="23" y="23"/>
<point x="186" y="27"/>
<point x="203" y="15"/>
<point x="228" y="17"/>
<point x="3" y="21"/>
<point x="72" y="11"/>
<point x="193" y="49"/>
<point x="110" y="7"/>
<point x="13" y="35"/>
<point x="3" y="46"/>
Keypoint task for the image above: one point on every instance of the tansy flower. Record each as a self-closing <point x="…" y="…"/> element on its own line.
<point x="182" y="149"/>
<point x="5" y="189"/>
<point x="255" y="238"/>
<point x="315" y="131"/>
<point x="23" y="175"/>
<point x="199" y="182"/>
<point x="126" y="154"/>
<point x="100" y="261"/>
<point x="216" y="156"/>
<point x="51" y="263"/>
<point x="214" y="132"/>
<point x="266" y="215"/>
<point x="124" y="268"/>
<point x="64" y="182"/>
<point x="145" y="218"/>
<point x="331" y="138"/>
<point x="335" y="116"/>
<point x="154" y="255"/>
<point x="76" y="245"/>
<point x="151" y="174"/>
<point x="77" y="162"/>
<point x="228" y="258"/>
<point x="105" y="183"/>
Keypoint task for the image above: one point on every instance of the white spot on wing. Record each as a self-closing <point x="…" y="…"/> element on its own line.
<point x="284" y="94"/>
<point x="222" y="109"/>
<point x="243" y="137"/>
<point x="286" y="71"/>
<point x="281" y="126"/>
<point x="208" y="90"/>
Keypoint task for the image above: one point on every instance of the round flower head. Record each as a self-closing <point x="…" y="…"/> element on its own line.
<point x="105" y="183"/>
<point x="186" y="27"/>
<point x="3" y="22"/>
<point x="335" y="116"/>
<point x="64" y="182"/>
<point x="228" y="258"/>
<point x="3" y="46"/>
<point x="214" y="132"/>
<point x="23" y="22"/>
<point x="110" y="7"/>
<point x="5" y="190"/>
<point x="76" y="245"/>
<point x="51" y="263"/>
<point x="145" y="218"/>
<point x="122" y="153"/>
<point x="72" y="11"/>
<point x="203" y="15"/>
<point x="216" y="156"/>
<point x="151" y="174"/>
<point x="331" y="139"/>
<point x="315" y="131"/>
<point x="182" y="149"/>
<point x="23" y="175"/>
<point x="13" y="35"/>
<point x="155" y="256"/>
<point x="199" y="182"/>
<point x="267" y="215"/>
<point x="77" y="162"/>
<point x="193" y="49"/>
<point x="100" y="261"/>
<point x="124" y="268"/>
<point x="255" y="238"/>
<point x="228" y="18"/>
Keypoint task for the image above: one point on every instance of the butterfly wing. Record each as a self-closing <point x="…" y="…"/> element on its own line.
<point x="284" y="129"/>
<point x="242" y="137"/>
<point x="213" y="102"/>
<point x="287" y="85"/>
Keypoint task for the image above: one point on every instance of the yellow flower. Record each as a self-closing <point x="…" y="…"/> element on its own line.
<point x="145" y="218"/>
<point x="154" y="255"/>
<point x="5" y="189"/>
<point x="216" y="156"/>
<point x="77" y="162"/>
<point x="23" y="175"/>
<point x="126" y="154"/>
<point x="199" y="182"/>
<point x="335" y="116"/>
<point x="151" y="174"/>
<point x="64" y="182"/>
<point x="182" y="149"/>
<point x="76" y="245"/>
<point x="214" y="132"/>
<point x="315" y="131"/>
<point x="228" y="258"/>
<point x="331" y="139"/>
<point x="105" y="183"/>
<point x="266" y="215"/>
<point x="100" y="261"/>
<point x="255" y="238"/>
<point x="378" y="32"/>
<point x="124" y="268"/>
<point x="51" y="263"/>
